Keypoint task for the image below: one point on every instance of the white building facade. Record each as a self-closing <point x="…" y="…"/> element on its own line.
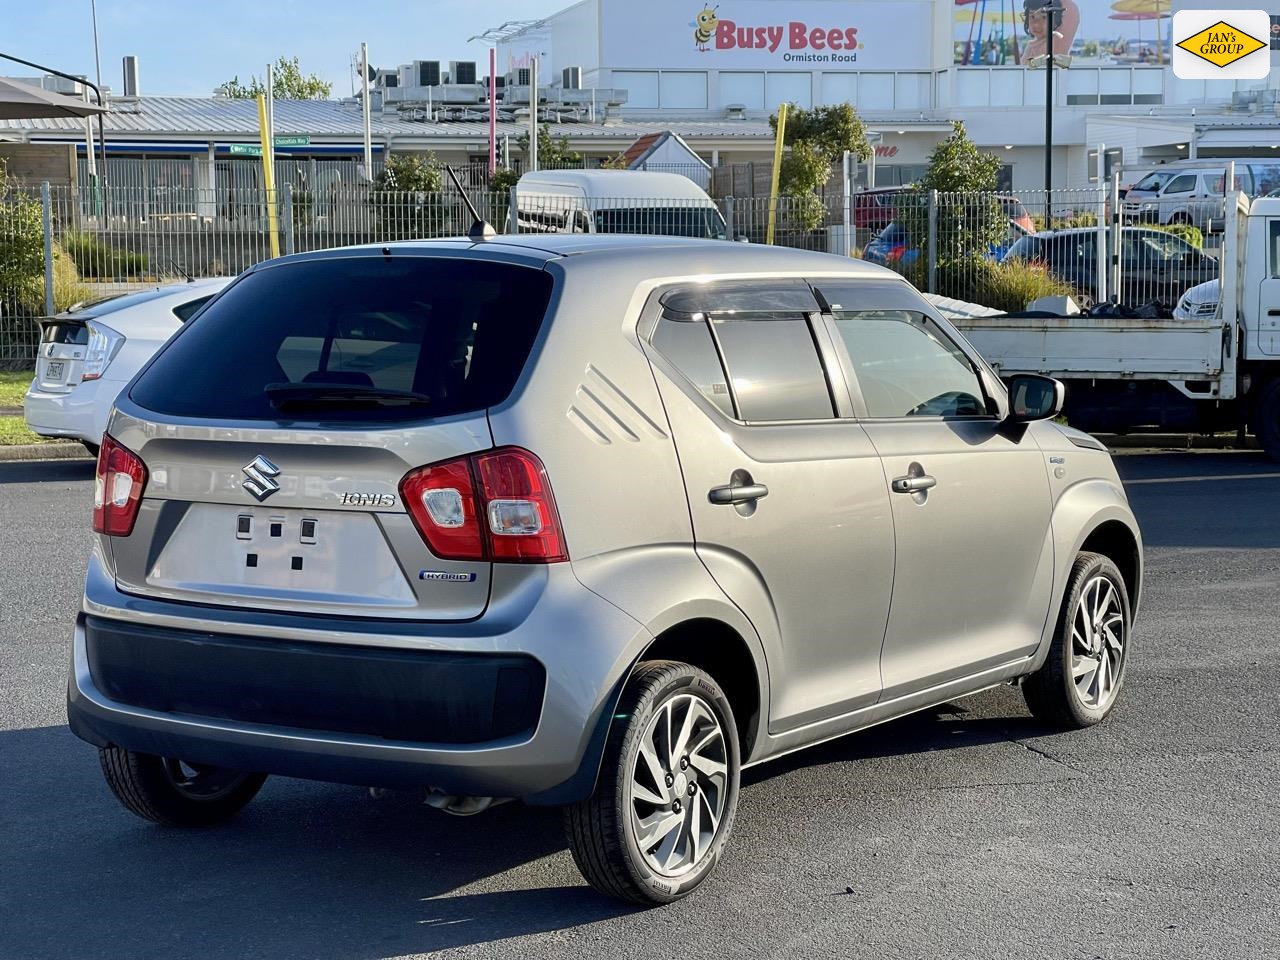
<point x="909" y="67"/>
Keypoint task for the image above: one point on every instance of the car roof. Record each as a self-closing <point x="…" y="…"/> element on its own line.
<point x="1069" y="231"/>
<point x="651" y="255"/>
<point x="648" y="184"/>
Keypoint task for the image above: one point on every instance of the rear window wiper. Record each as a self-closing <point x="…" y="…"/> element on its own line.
<point x="282" y="395"/>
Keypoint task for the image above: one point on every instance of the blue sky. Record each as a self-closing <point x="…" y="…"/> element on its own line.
<point x="187" y="47"/>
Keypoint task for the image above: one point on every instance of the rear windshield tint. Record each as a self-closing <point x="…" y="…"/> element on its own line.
<point x="455" y="331"/>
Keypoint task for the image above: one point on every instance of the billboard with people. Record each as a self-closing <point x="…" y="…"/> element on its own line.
<point x="1098" y="32"/>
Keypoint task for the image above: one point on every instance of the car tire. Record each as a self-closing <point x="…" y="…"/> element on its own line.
<point x="1080" y="680"/>
<point x="175" y="793"/>
<point x="658" y="820"/>
<point x="1266" y="419"/>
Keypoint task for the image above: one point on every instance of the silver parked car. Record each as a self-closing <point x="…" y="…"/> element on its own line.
<point x="587" y="521"/>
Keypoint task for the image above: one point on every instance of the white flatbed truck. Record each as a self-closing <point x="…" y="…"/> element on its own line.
<point x="1215" y="372"/>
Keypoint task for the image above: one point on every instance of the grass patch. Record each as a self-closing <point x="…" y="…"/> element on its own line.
<point x="13" y="430"/>
<point x="13" y="385"/>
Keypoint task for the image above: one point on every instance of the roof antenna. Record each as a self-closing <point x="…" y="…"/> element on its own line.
<point x="481" y="229"/>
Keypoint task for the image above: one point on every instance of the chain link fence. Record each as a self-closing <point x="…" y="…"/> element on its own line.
<point x="1002" y="250"/>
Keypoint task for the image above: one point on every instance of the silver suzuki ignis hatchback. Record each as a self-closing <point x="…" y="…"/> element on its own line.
<point x="587" y="521"/>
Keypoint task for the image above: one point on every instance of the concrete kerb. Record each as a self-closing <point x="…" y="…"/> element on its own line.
<point x="43" y="451"/>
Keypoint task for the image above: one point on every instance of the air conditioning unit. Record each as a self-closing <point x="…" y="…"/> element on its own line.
<point x="462" y="71"/>
<point x="428" y="73"/>
<point x="571" y="78"/>
<point x="387" y="78"/>
<point x="519" y="77"/>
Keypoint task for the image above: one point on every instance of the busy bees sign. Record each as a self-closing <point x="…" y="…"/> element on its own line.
<point x="770" y="34"/>
<point x="1221" y="44"/>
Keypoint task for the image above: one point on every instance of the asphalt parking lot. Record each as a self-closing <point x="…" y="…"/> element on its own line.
<point x="965" y="832"/>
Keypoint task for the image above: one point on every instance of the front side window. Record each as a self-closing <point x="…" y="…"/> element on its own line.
<point x="904" y="363"/>
<point x="906" y="367"/>
<point x="1273" y="246"/>
<point x="1152" y="182"/>
<point x="1183" y="184"/>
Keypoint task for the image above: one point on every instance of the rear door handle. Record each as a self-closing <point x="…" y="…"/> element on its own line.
<point x="743" y="493"/>
<point x="912" y="484"/>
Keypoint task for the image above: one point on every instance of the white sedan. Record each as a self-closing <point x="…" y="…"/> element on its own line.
<point x="90" y="353"/>
<point x="1199" y="302"/>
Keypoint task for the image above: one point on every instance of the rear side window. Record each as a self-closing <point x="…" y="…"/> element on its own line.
<point x="185" y="311"/>
<point x="405" y="337"/>
<point x="748" y="348"/>
<point x="688" y="221"/>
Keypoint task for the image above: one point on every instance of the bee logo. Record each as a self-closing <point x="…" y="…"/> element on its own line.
<point x="704" y="27"/>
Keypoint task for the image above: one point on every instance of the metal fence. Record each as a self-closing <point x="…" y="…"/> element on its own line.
<point x="1000" y="250"/>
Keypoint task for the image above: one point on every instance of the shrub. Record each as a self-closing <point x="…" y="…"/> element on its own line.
<point x="1008" y="287"/>
<point x="96" y="258"/>
<point x="407" y="196"/>
<point x="1186" y="231"/>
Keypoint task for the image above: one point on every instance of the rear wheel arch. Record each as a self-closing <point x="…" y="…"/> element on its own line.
<point x="716" y="647"/>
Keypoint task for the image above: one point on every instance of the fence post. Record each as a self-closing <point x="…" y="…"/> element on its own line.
<point x="846" y="183"/>
<point x="286" y="217"/>
<point x="933" y="241"/>
<point x="1101" y="232"/>
<point x="1113" y="288"/>
<point x="513" y="215"/>
<point x="730" y="225"/>
<point x="46" y="220"/>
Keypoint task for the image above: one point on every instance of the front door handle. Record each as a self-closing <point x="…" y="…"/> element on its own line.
<point x="912" y="484"/>
<point x="741" y="493"/>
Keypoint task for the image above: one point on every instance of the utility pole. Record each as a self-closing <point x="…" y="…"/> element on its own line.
<point x="97" y="65"/>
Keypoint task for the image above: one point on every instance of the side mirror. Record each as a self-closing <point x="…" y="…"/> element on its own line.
<point x="1032" y="397"/>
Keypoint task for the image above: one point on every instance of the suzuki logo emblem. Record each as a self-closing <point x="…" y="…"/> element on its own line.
<point x="261" y="473"/>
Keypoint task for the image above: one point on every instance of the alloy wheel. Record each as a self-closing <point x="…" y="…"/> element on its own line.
<point x="679" y="785"/>
<point x="1098" y="637"/>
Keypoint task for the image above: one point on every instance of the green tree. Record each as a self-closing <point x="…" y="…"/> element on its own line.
<point x="288" y="83"/>
<point x="969" y="219"/>
<point x="21" y="255"/>
<point x="407" y="194"/>
<point x="818" y="138"/>
<point x="553" y="152"/>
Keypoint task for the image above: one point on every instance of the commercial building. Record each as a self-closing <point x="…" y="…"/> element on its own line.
<point x="613" y="72"/>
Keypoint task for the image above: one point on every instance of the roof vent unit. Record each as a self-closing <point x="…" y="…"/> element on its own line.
<point x="131" y="76"/>
<point x="427" y="73"/>
<point x="462" y="71"/>
<point x="736" y="111"/>
<point x="571" y="78"/>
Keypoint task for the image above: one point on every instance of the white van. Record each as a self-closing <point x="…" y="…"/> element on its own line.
<point x="616" y="201"/>
<point x="1191" y="191"/>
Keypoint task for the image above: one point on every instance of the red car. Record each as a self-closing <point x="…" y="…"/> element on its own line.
<point x="876" y="209"/>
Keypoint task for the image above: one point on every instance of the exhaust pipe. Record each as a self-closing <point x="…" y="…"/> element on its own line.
<point x="448" y="802"/>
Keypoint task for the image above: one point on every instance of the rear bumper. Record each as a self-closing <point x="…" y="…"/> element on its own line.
<point x="74" y="414"/>
<point x="316" y="702"/>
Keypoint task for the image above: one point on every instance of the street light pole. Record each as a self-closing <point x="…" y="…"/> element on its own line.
<point x="1049" y="11"/>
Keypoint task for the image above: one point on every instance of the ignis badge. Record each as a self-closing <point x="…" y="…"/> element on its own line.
<point x="1221" y="44"/>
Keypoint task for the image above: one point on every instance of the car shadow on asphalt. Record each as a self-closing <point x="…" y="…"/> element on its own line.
<point x="318" y="870"/>
<point x="306" y="870"/>
<point x="37" y="471"/>
<point x="948" y="726"/>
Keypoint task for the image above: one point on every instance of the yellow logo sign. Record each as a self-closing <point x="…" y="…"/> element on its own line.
<point x="1221" y="44"/>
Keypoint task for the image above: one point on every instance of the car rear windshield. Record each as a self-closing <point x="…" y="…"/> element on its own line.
<point x="353" y="339"/>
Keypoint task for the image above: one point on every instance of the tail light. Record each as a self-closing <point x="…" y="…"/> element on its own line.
<point x="104" y="344"/>
<point x="496" y="506"/>
<point x="117" y="490"/>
